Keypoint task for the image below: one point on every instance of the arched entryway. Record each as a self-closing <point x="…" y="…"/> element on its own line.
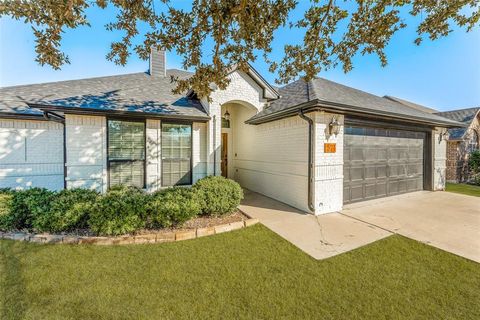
<point x="237" y="137"/>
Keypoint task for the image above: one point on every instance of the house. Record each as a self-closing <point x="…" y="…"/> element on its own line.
<point x="314" y="145"/>
<point x="461" y="142"/>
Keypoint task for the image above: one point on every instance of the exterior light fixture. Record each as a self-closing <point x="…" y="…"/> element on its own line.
<point x="444" y="135"/>
<point x="334" y="126"/>
<point x="226" y="115"/>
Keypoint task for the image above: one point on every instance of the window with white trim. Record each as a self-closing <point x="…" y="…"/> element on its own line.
<point x="176" y="154"/>
<point x="126" y="153"/>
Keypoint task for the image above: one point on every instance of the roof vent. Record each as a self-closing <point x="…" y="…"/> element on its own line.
<point x="157" y="63"/>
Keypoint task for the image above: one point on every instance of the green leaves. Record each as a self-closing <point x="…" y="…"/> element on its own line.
<point x="334" y="32"/>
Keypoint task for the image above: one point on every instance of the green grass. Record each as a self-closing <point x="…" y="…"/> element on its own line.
<point x="250" y="273"/>
<point x="464" y="189"/>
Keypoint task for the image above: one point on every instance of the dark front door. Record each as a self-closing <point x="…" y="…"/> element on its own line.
<point x="381" y="162"/>
<point x="225" y="155"/>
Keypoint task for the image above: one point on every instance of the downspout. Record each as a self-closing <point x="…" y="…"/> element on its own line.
<point x="58" y="118"/>
<point x="311" y="206"/>
<point x="214" y="145"/>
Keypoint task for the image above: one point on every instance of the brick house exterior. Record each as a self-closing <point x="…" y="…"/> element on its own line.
<point x="461" y="142"/>
<point x="287" y="143"/>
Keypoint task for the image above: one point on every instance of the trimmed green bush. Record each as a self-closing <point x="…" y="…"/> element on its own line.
<point x="27" y="206"/>
<point x="219" y="195"/>
<point x="69" y="210"/>
<point x="6" y="199"/>
<point x="121" y="210"/>
<point x="173" y="207"/>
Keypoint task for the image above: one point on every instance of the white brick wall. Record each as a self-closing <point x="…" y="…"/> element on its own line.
<point x="199" y="152"/>
<point x="328" y="166"/>
<point x="439" y="161"/>
<point x="31" y="154"/>
<point x="154" y="153"/>
<point x="86" y="145"/>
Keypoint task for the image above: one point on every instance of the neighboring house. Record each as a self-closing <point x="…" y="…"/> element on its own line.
<point x="461" y="142"/>
<point x="314" y="145"/>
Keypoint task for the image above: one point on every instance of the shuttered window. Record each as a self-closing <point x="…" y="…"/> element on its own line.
<point x="176" y="154"/>
<point x="126" y="153"/>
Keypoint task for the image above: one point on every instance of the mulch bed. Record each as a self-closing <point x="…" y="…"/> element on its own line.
<point x="201" y="222"/>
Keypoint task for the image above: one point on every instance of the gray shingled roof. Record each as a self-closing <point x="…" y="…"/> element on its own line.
<point x="136" y="92"/>
<point x="412" y="104"/>
<point x="465" y="116"/>
<point x="325" y="92"/>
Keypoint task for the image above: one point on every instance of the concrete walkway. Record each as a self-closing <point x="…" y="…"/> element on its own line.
<point x="445" y="220"/>
<point x="319" y="236"/>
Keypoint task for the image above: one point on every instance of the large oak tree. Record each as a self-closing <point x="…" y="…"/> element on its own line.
<point x="334" y="31"/>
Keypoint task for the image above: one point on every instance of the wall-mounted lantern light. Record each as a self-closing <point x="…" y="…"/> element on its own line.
<point x="444" y="135"/>
<point x="334" y="126"/>
<point x="226" y="115"/>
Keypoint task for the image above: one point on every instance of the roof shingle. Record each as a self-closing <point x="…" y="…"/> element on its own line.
<point x="136" y="92"/>
<point x="324" y="90"/>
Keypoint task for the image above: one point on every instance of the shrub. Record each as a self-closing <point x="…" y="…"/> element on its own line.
<point x="69" y="210"/>
<point x="474" y="165"/>
<point x="173" y="206"/>
<point x="121" y="210"/>
<point x="6" y="199"/>
<point x="28" y="205"/>
<point x="219" y="195"/>
<point x="474" y="161"/>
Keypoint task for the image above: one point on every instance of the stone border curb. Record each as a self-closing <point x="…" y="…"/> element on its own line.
<point x="142" y="238"/>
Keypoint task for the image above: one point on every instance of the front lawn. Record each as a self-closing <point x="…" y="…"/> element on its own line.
<point x="251" y="273"/>
<point x="463" y="188"/>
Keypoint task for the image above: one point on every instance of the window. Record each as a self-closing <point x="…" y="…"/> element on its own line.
<point x="126" y="153"/>
<point x="473" y="142"/>
<point x="176" y="154"/>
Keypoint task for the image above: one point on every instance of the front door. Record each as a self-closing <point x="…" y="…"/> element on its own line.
<point x="225" y="154"/>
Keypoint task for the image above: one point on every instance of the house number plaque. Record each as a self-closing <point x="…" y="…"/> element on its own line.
<point x="330" y="148"/>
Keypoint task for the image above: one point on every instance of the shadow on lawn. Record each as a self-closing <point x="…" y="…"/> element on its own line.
<point x="13" y="291"/>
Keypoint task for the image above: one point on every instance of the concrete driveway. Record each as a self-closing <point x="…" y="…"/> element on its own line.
<point x="445" y="220"/>
<point x="319" y="236"/>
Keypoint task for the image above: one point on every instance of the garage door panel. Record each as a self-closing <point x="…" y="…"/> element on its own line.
<point x="382" y="171"/>
<point x="370" y="172"/>
<point x="382" y="154"/>
<point x="370" y="191"/>
<point x="356" y="173"/>
<point x="413" y="184"/>
<point x="356" y="192"/>
<point x="356" y="154"/>
<point x="402" y="186"/>
<point x="381" y="162"/>
<point x="381" y="188"/>
<point x="346" y="194"/>
<point x="346" y="173"/>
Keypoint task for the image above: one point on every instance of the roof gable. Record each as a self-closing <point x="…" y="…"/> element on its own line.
<point x="465" y="116"/>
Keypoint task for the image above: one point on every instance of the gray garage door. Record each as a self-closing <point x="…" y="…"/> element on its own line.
<point x="381" y="163"/>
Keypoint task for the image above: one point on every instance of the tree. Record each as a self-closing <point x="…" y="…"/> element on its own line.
<point x="334" y="31"/>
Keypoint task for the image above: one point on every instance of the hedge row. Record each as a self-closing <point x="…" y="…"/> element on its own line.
<point x="119" y="211"/>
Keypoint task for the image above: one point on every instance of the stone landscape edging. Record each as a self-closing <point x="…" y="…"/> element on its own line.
<point x="134" y="239"/>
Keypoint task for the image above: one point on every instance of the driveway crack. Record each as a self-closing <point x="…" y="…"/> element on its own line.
<point x="368" y="223"/>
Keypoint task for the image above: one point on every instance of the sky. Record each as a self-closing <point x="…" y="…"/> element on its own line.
<point x="443" y="74"/>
